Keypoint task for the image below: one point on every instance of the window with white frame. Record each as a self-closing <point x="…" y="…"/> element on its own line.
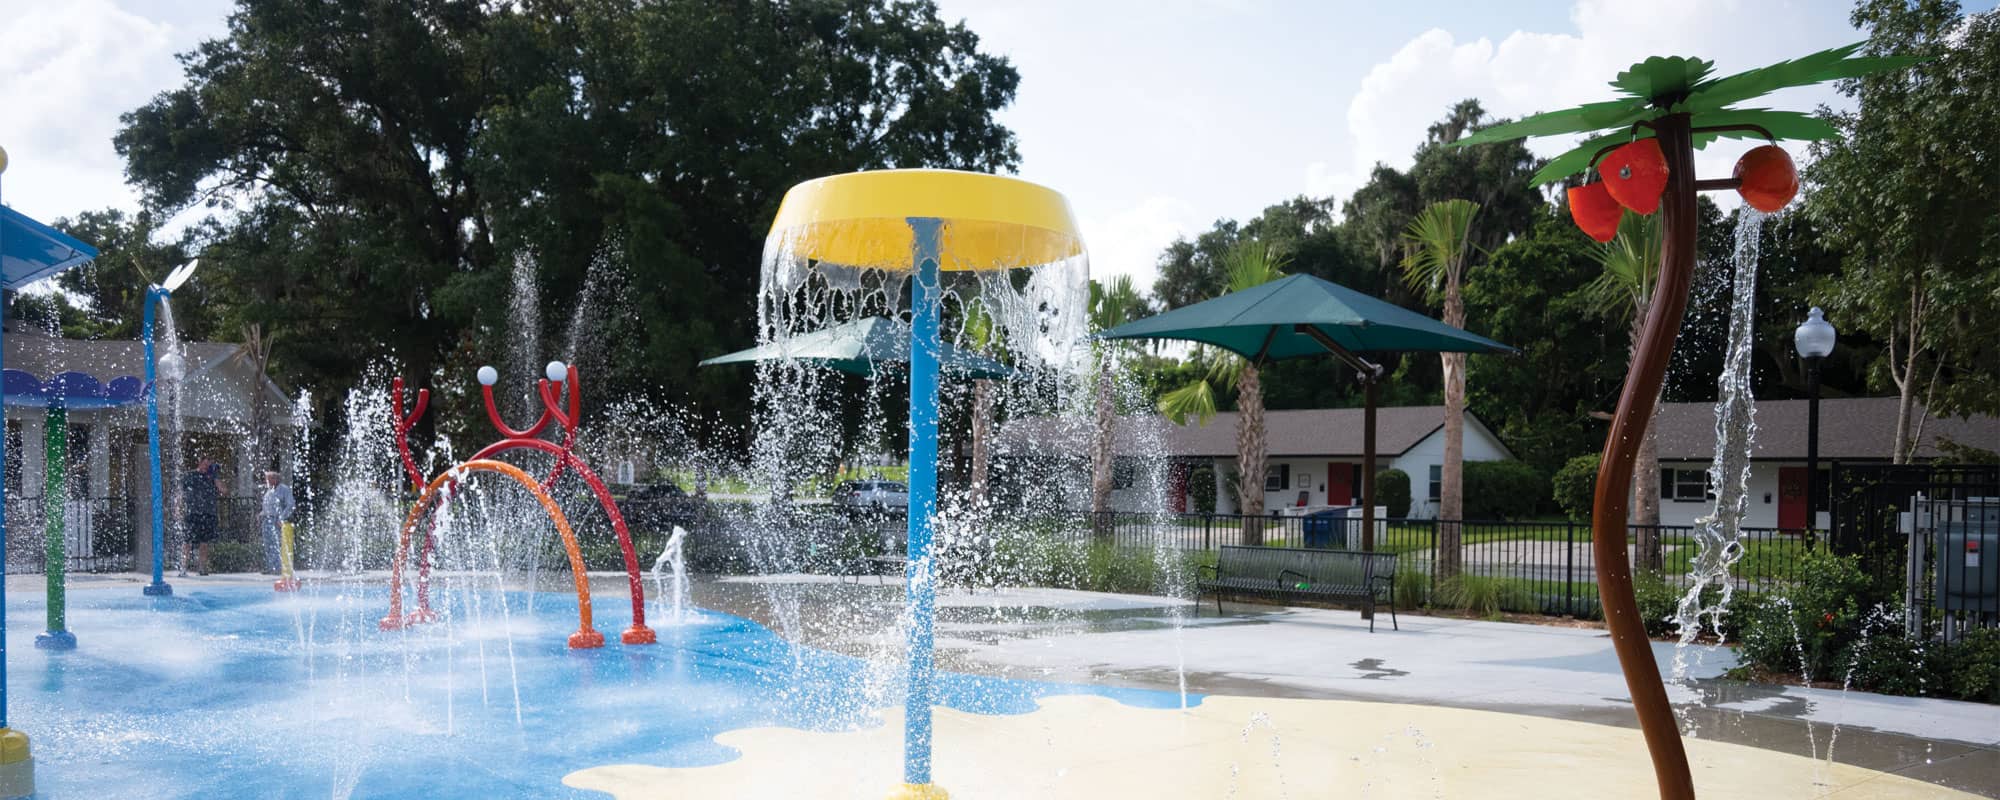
<point x="1437" y="481"/>
<point x="1277" y="477"/>
<point x="1684" y="485"/>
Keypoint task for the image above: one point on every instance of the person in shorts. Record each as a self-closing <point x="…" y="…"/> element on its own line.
<point x="201" y="500"/>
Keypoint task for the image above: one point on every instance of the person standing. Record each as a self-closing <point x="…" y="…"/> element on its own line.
<point x="272" y="516"/>
<point x="201" y="500"/>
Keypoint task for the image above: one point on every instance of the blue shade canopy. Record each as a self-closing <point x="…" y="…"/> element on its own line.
<point x="861" y="347"/>
<point x="78" y="390"/>
<point x="1263" y="323"/>
<point x="31" y="251"/>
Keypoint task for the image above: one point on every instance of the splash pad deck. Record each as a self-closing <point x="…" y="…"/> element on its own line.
<point x="239" y="691"/>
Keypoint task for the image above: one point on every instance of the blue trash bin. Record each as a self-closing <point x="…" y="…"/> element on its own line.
<point x="1327" y="529"/>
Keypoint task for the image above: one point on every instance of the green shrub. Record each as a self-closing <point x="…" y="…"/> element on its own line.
<point x="1575" y="486"/>
<point x="1479" y="595"/>
<point x="1500" y="490"/>
<point x="1890" y="663"/>
<point x="1973" y="663"/>
<point x="1810" y="627"/>
<point x="1201" y="489"/>
<point x="235" y="557"/>
<point x="1411" y="585"/>
<point x="1392" y="491"/>
<point x="1658" y="603"/>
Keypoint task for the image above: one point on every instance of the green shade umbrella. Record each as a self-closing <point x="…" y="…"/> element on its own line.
<point x="1300" y="316"/>
<point x="1262" y="323"/>
<point x="859" y="347"/>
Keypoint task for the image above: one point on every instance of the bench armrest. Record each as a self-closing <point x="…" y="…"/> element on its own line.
<point x="1213" y="571"/>
<point x="1300" y="575"/>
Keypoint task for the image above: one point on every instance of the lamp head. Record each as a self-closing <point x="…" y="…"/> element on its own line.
<point x="1814" y="337"/>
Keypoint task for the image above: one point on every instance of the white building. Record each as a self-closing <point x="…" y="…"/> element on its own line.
<point x="1314" y="456"/>
<point x="108" y="481"/>
<point x="1857" y="429"/>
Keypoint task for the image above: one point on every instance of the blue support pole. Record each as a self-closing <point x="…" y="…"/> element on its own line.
<point x="159" y="587"/>
<point x="3" y="548"/>
<point x="922" y="593"/>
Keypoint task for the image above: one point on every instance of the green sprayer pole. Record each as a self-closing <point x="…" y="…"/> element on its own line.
<point x="55" y="488"/>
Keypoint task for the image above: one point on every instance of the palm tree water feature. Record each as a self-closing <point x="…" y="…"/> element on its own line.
<point x="848" y="246"/>
<point x="1643" y="154"/>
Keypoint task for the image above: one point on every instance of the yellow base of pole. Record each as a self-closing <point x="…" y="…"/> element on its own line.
<point x="17" y="767"/>
<point x="919" y="791"/>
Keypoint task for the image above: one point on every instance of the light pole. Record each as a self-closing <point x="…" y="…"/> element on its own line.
<point x="172" y="367"/>
<point x="1814" y="340"/>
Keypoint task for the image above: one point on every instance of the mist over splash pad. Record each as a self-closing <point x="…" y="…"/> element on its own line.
<point x="227" y="692"/>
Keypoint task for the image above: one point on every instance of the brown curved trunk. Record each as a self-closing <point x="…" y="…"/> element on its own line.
<point x="1250" y="453"/>
<point x="1636" y="405"/>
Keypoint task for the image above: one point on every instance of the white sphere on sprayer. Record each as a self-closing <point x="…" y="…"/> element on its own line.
<point x="488" y="376"/>
<point x="557" y="371"/>
<point x="172" y="367"/>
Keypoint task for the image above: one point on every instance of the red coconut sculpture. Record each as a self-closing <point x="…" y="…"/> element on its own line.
<point x="561" y="399"/>
<point x="1644" y="153"/>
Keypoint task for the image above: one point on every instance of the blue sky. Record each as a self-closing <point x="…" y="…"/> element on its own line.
<point x="1155" y="118"/>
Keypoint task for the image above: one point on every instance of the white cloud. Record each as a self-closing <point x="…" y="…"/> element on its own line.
<point x="1129" y="242"/>
<point x="1527" y="72"/>
<point x="67" y="70"/>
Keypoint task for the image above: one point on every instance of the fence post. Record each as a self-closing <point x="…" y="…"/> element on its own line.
<point x="1569" y="567"/>
<point x="1208" y="531"/>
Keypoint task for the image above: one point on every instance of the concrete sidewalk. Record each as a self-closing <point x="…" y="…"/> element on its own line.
<point x="1562" y="672"/>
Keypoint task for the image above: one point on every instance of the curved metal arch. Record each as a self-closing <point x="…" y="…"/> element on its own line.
<point x="585" y="636"/>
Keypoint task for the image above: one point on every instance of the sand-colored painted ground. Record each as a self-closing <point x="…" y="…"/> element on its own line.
<point x="1243" y="747"/>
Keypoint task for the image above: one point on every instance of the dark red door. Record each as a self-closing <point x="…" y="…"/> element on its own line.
<point x="1792" y="498"/>
<point x="1339" y="484"/>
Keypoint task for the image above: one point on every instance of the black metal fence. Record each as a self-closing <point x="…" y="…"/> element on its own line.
<point x="97" y="535"/>
<point x="1930" y="534"/>
<point x="1540" y="567"/>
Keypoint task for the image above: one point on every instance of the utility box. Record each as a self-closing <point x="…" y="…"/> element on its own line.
<point x="1967" y="561"/>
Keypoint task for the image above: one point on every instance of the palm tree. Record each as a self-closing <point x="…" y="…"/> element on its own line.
<point x="1111" y="305"/>
<point x="1631" y="272"/>
<point x="1439" y="243"/>
<point x="1251" y="263"/>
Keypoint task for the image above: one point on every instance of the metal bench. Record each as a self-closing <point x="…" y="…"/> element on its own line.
<point x="1300" y="572"/>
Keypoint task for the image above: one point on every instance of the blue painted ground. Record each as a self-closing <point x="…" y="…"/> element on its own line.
<point x="240" y="692"/>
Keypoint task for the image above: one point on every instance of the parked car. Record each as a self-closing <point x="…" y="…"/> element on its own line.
<point x="871" y="494"/>
<point x="656" y="505"/>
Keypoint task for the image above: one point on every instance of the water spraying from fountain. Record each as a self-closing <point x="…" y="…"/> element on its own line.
<point x="1718" y="536"/>
<point x="672" y="563"/>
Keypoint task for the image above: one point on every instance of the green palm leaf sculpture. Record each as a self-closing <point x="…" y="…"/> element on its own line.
<point x="1660" y="86"/>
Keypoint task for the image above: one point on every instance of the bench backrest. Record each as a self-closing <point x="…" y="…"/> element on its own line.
<point x="1330" y="567"/>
